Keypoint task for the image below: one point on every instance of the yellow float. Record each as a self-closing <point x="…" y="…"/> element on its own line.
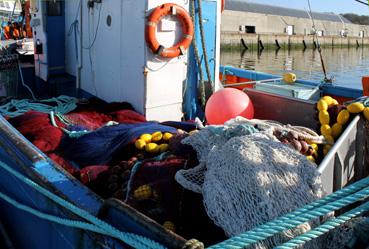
<point x="289" y="78"/>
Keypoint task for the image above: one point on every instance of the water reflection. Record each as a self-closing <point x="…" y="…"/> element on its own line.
<point x="346" y="65"/>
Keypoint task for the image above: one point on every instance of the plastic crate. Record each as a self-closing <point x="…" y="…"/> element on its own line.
<point x="295" y="90"/>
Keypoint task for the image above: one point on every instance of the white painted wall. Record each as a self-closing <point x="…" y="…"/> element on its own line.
<point x="119" y="66"/>
<point x="273" y="24"/>
<point x="38" y="23"/>
<point x="71" y="14"/>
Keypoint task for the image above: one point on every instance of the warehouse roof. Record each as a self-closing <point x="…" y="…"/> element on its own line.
<point x="247" y="6"/>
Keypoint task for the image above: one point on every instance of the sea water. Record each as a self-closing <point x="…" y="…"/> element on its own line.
<point x="346" y="65"/>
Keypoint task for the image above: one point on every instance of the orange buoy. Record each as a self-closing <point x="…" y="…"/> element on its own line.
<point x="152" y="23"/>
<point x="226" y="104"/>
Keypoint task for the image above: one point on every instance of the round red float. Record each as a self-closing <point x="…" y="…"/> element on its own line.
<point x="226" y="104"/>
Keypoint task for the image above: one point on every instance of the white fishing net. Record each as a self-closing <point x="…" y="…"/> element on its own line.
<point x="206" y="140"/>
<point x="252" y="179"/>
<point x="249" y="178"/>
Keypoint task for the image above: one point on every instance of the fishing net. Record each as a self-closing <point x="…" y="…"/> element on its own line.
<point x="248" y="178"/>
<point x="251" y="180"/>
<point x="9" y="75"/>
<point x="153" y="190"/>
<point x="203" y="142"/>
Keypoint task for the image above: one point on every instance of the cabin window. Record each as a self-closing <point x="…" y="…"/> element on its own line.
<point x="7" y="5"/>
<point x="54" y="8"/>
<point x="250" y="29"/>
<point x="2" y="4"/>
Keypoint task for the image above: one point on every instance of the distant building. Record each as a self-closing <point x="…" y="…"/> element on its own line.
<point x="248" y="17"/>
<point x="7" y="8"/>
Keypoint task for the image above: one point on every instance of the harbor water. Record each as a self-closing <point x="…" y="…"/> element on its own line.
<point x="346" y="65"/>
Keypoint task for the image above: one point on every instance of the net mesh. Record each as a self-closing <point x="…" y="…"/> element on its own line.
<point x="248" y="178"/>
<point x="251" y="180"/>
<point x="8" y="75"/>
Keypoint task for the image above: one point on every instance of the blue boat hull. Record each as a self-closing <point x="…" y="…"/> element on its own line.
<point x="28" y="231"/>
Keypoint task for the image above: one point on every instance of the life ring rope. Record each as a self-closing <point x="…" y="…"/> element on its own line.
<point x="187" y="29"/>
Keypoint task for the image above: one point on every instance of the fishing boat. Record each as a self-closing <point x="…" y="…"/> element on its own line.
<point x="111" y="50"/>
<point x="301" y="89"/>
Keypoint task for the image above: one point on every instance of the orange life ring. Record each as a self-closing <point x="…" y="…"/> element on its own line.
<point x="187" y="29"/>
<point x="223" y="5"/>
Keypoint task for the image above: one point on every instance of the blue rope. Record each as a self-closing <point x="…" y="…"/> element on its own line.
<point x="133" y="240"/>
<point x="14" y="108"/>
<point x="320" y="207"/>
<point x="325" y="228"/>
<point x="52" y="218"/>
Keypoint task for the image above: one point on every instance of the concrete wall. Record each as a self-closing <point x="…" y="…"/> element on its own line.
<point x="232" y="39"/>
<point x="271" y="24"/>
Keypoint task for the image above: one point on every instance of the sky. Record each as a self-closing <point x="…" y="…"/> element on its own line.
<point x="336" y="6"/>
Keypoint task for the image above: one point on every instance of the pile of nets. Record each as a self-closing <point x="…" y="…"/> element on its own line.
<point x="248" y="177"/>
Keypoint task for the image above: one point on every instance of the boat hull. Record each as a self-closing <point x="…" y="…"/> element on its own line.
<point x="234" y="76"/>
<point x="28" y="231"/>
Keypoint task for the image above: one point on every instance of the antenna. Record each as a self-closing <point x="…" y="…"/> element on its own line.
<point x="362" y="2"/>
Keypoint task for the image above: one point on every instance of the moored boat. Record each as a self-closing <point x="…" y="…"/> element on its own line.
<point x="45" y="206"/>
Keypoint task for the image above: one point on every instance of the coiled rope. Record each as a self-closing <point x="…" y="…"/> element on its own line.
<point x="14" y="108"/>
<point x="95" y="225"/>
<point x="316" y="209"/>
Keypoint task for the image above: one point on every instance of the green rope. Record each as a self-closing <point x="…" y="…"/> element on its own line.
<point x="320" y="207"/>
<point x="14" y="108"/>
<point x="325" y="228"/>
<point x="133" y="240"/>
<point x="52" y="218"/>
<point x="72" y="134"/>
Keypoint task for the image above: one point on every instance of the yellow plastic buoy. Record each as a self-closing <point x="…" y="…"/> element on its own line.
<point x="143" y="192"/>
<point x="156" y="136"/>
<point x="140" y="144"/>
<point x="311" y="158"/>
<point x="146" y="138"/>
<point x="326" y="149"/>
<point x="356" y="107"/>
<point x="343" y="117"/>
<point x="324" y="117"/>
<point x="315" y="154"/>
<point x="325" y="130"/>
<point x="163" y="147"/>
<point x="315" y="146"/>
<point x="328" y="99"/>
<point x="329" y="139"/>
<point x="170" y="226"/>
<point x="366" y="113"/>
<point x="152" y="148"/>
<point x="289" y="77"/>
<point x="336" y="130"/>
<point x="167" y="136"/>
<point x="322" y="105"/>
